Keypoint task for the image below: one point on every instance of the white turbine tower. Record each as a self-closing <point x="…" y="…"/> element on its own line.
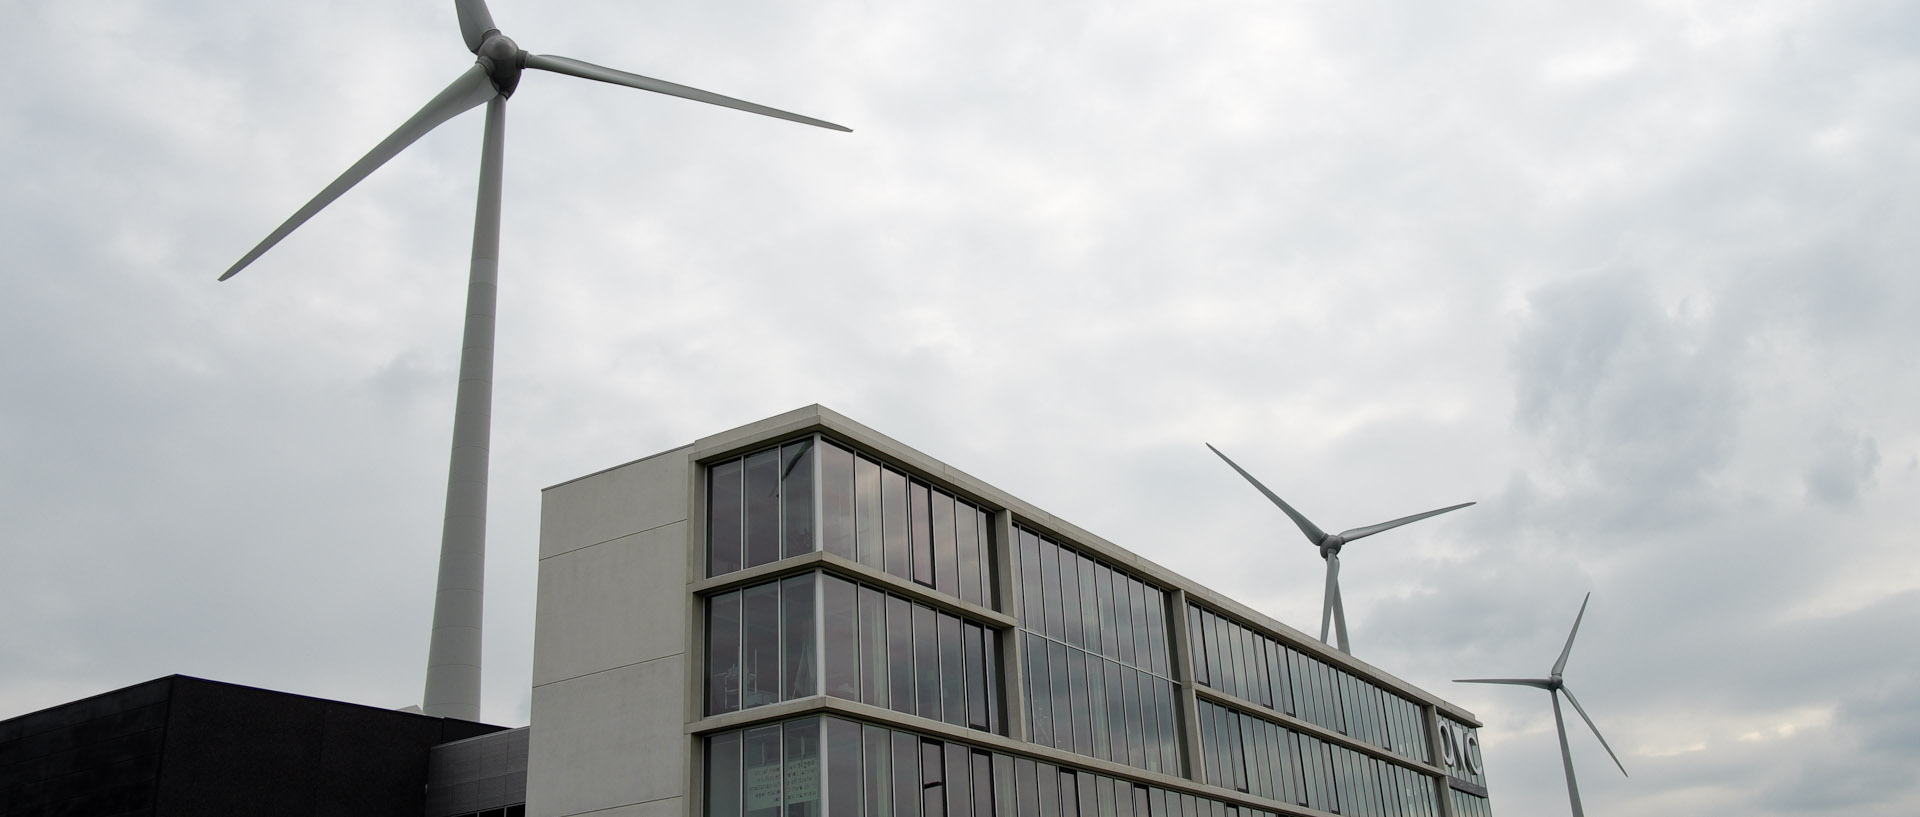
<point x="1333" y="612"/>
<point x="453" y="660"/>
<point x="1556" y="687"/>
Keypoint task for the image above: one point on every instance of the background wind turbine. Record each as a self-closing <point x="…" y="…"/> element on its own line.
<point x="1333" y="612"/>
<point x="1556" y="687"/>
<point x="453" y="654"/>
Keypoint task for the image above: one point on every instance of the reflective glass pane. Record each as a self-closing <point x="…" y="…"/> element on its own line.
<point x="1116" y="633"/>
<point x="1196" y="644"/>
<point x="926" y="662"/>
<point x="1026" y="787"/>
<point x="723" y="653"/>
<point x="724" y="777"/>
<point x="921" y="533"/>
<point x="983" y="531"/>
<point x="878" y="771"/>
<point x="760" y="653"/>
<point x="1257" y="656"/>
<point x="796" y="497"/>
<point x="900" y="654"/>
<point x="1005" y="803"/>
<point x="763" y="507"/>
<point x="1069" y="795"/>
<point x="836" y="503"/>
<point x="724" y="507"/>
<point x="1049" y="590"/>
<point x="953" y="675"/>
<point x="1149" y="723"/>
<point x="967" y="547"/>
<point x="893" y="505"/>
<point x="801" y="777"/>
<point x="1115" y="708"/>
<point x="946" y="554"/>
<point x="1039" y="690"/>
<point x="1077" y="699"/>
<point x="866" y="512"/>
<point x="982" y="777"/>
<point x="973" y="642"/>
<point x="1047" y="776"/>
<point x="873" y="646"/>
<point x="933" y="801"/>
<point x="1136" y="726"/>
<point x="844" y="784"/>
<point x="1089" y="607"/>
<point x="1032" y="586"/>
<point x="906" y="775"/>
<point x="1137" y="603"/>
<point x="958" y="780"/>
<point x="840" y="619"/>
<point x="1097" y="706"/>
<point x="1157" y="649"/>
<point x="799" y="631"/>
<point x="762" y="750"/>
<point x="1070" y="598"/>
<point x="992" y="639"/>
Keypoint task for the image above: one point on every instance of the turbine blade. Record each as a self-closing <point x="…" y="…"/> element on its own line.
<point x="469" y="91"/>
<point x="1340" y="619"/>
<point x="1538" y="683"/>
<point x="1596" y="730"/>
<point x="1564" y="651"/>
<point x="1331" y="595"/>
<point x="1313" y="532"/>
<point x="1370" y="530"/>
<point x="475" y="22"/>
<point x="587" y="70"/>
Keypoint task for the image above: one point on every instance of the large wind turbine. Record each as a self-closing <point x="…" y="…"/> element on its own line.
<point x="1556" y="687"/>
<point x="1333" y="612"/>
<point x="453" y="656"/>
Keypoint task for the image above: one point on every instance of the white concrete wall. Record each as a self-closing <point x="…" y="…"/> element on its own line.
<point x="610" y="644"/>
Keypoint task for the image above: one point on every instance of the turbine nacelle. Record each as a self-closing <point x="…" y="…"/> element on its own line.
<point x="503" y="59"/>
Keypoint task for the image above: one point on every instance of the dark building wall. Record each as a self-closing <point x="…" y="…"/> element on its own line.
<point x="187" y="747"/>
<point x="97" y="757"/>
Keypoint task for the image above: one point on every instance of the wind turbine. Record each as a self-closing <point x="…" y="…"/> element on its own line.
<point x="1557" y="687"/>
<point x="453" y="654"/>
<point x="1333" y="611"/>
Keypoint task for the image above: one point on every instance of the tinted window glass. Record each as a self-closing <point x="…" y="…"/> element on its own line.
<point x="724" y="778"/>
<point x="893" y="504"/>
<point x="723" y="654"/>
<point x="796" y="491"/>
<point x="866" y="510"/>
<point x="724" y="508"/>
<point x="836" y="504"/>
<point x="763" y="507"/>
<point x="840" y="620"/>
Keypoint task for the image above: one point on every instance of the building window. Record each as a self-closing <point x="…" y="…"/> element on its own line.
<point x="1099" y="669"/>
<point x="875" y="647"/>
<point x="874" y="771"/>
<point x="763" y="506"/>
<point x="1260" y="757"/>
<point x="1241" y="662"/>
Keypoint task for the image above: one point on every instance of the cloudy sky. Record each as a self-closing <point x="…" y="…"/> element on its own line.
<point x="1637" y="277"/>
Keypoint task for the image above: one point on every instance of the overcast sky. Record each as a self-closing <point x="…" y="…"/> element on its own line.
<point x="1638" y="277"/>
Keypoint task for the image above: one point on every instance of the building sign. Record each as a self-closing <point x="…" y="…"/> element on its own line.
<point x="1460" y="750"/>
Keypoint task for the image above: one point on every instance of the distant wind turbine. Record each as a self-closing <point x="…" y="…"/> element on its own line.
<point x="1556" y="687"/>
<point x="453" y="655"/>
<point x="1333" y="612"/>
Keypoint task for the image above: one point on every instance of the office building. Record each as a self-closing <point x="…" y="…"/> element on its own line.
<point x="804" y="618"/>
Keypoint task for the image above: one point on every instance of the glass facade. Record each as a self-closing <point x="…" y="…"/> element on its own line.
<point x="1254" y="755"/>
<point x="1099" y="669"/>
<point x="762" y="507"/>
<point x="874" y="647"/>
<point x="874" y="771"/>
<point x="1100" y="675"/>
<point x="1236" y="660"/>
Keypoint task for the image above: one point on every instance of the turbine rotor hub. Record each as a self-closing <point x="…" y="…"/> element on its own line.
<point x="504" y="61"/>
<point x="1330" y="546"/>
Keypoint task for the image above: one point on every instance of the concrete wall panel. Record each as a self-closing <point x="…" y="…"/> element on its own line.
<point x="611" y="604"/>
<point x="613" y="739"/>
<point x="629" y="499"/>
